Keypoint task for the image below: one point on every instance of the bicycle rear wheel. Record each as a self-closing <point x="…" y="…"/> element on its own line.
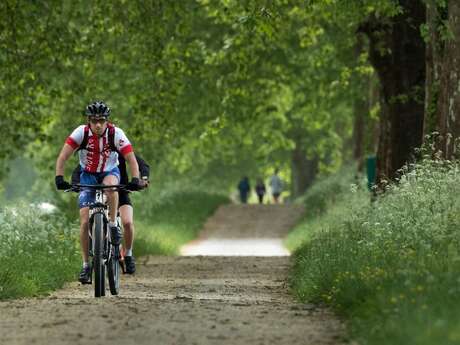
<point x="113" y="271"/>
<point x="98" y="259"/>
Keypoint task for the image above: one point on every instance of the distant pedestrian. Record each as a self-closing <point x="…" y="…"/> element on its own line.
<point x="276" y="185"/>
<point x="260" y="190"/>
<point x="244" y="188"/>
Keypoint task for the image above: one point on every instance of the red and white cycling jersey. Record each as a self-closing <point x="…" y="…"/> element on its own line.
<point x="98" y="156"/>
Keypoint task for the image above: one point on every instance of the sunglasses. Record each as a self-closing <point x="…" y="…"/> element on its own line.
<point x="95" y="121"/>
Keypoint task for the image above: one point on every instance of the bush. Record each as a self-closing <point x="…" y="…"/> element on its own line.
<point x="393" y="266"/>
<point x="38" y="252"/>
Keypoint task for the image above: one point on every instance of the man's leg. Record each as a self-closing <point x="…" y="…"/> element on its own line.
<point x="84" y="239"/>
<point x="85" y="198"/>
<point x="85" y="273"/>
<point x="126" y="214"/>
<point x="112" y="197"/>
<point x="112" y="200"/>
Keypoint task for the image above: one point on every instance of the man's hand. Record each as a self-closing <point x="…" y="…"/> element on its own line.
<point x="134" y="185"/>
<point x="61" y="184"/>
<point x="144" y="182"/>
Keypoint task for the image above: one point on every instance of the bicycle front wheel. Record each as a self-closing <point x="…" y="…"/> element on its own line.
<point x="98" y="259"/>
<point x="113" y="271"/>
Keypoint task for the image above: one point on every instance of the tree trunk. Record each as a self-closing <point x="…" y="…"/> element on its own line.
<point x="448" y="107"/>
<point x="397" y="52"/>
<point x="433" y="66"/>
<point x="303" y="171"/>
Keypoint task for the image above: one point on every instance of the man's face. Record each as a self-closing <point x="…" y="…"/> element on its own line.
<point x="97" y="125"/>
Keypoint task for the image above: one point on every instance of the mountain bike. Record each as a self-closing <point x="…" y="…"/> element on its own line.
<point x="103" y="253"/>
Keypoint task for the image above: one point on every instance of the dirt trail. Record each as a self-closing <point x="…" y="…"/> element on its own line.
<point x="182" y="300"/>
<point x="256" y="230"/>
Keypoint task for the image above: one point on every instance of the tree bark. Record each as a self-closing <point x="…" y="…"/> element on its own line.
<point x="397" y="52"/>
<point x="448" y="107"/>
<point x="433" y="66"/>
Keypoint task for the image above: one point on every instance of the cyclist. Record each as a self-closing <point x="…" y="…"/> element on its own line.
<point x="125" y="206"/>
<point x="99" y="160"/>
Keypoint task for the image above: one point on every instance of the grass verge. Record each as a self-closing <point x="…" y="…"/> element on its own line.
<point x="393" y="267"/>
<point x="38" y="252"/>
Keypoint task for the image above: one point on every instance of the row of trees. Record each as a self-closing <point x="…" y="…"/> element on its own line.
<point x="415" y="54"/>
<point x="215" y="89"/>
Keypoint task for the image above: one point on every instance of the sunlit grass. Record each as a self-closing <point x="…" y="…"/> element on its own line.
<point x="392" y="267"/>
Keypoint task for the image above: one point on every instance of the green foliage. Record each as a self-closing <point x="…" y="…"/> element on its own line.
<point x="195" y="85"/>
<point x="391" y="267"/>
<point x="167" y="219"/>
<point x="38" y="252"/>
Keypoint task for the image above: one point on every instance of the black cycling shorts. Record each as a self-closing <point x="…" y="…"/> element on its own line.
<point x="123" y="198"/>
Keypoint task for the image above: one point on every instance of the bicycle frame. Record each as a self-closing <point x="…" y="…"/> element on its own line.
<point x="99" y="207"/>
<point x="101" y="250"/>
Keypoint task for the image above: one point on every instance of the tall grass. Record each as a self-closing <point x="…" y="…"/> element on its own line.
<point x="38" y="252"/>
<point x="392" y="267"/>
<point x="167" y="219"/>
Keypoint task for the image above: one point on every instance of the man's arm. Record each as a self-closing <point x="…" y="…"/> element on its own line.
<point x="65" y="154"/>
<point x="144" y="171"/>
<point x="75" y="179"/>
<point x="144" y="168"/>
<point x="133" y="166"/>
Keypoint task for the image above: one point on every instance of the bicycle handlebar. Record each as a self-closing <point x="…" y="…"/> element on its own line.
<point x="77" y="187"/>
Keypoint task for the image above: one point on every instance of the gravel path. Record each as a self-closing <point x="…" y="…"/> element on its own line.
<point x="179" y="300"/>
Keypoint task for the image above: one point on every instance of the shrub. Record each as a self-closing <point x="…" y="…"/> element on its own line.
<point x="38" y="252"/>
